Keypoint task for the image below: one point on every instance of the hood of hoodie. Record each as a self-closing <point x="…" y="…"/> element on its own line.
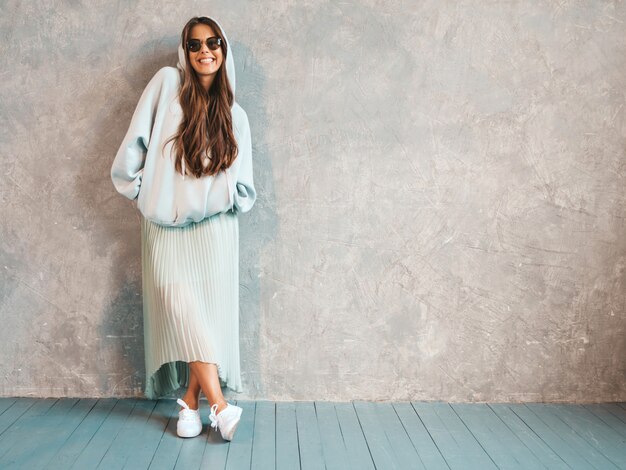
<point x="183" y="65"/>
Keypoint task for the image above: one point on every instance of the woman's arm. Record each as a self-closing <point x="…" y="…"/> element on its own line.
<point x="127" y="168"/>
<point x="245" y="193"/>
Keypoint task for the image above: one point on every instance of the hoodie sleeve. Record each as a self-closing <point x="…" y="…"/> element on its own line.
<point x="127" y="168"/>
<point x="245" y="193"/>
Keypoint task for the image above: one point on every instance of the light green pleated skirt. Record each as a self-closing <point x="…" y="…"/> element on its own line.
<point x="190" y="301"/>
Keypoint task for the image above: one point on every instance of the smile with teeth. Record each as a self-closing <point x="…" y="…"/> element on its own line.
<point x="207" y="61"/>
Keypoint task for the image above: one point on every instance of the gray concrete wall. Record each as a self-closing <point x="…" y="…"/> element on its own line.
<point x="441" y="212"/>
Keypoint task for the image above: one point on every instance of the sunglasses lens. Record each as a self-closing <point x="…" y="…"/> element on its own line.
<point x="214" y="43"/>
<point x="193" y="45"/>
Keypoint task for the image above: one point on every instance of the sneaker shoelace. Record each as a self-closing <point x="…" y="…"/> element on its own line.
<point x="213" y="416"/>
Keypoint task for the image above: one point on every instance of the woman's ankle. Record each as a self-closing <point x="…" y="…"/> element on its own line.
<point x="221" y="406"/>
<point x="191" y="402"/>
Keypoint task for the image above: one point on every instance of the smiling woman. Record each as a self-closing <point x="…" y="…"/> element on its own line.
<point x="205" y="53"/>
<point x="189" y="227"/>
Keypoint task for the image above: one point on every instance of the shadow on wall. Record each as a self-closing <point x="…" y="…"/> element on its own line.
<point x="116" y="221"/>
<point x="258" y="226"/>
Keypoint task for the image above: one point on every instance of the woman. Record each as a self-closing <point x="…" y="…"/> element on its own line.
<point x="187" y="159"/>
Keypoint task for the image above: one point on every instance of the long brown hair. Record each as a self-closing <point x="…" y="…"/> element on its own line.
<point x="206" y="127"/>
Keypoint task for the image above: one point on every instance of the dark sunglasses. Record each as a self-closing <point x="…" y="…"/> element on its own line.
<point x="213" y="43"/>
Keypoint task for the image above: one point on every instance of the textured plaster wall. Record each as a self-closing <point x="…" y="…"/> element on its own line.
<point x="441" y="211"/>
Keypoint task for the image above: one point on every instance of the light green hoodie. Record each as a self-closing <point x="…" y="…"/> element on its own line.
<point x="142" y="171"/>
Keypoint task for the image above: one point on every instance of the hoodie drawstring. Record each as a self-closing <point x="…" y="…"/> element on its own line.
<point x="230" y="190"/>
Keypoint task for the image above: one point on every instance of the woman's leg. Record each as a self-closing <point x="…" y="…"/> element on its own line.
<point x="192" y="395"/>
<point x="207" y="377"/>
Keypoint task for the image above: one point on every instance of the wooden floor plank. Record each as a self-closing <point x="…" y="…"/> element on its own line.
<point x="20" y="430"/>
<point x="55" y="430"/>
<point x="215" y="452"/>
<point x="309" y="440"/>
<point x="400" y="442"/>
<point x="356" y="446"/>
<point x="457" y="445"/>
<point x="97" y="446"/>
<point x="44" y="432"/>
<point x="616" y="410"/>
<point x="192" y="451"/>
<point x="240" y="452"/>
<point x="502" y="445"/>
<point x="6" y="403"/>
<point x="608" y="418"/>
<point x="216" y="449"/>
<point x="14" y="412"/>
<point x="168" y="448"/>
<point x="135" y="434"/>
<point x="422" y="441"/>
<point x="142" y="452"/>
<point x="379" y="446"/>
<point x="333" y="446"/>
<point x="264" y="443"/>
<point x="531" y="440"/>
<point x="591" y="454"/>
<point x="575" y="457"/>
<point x="593" y="430"/>
<point x="287" y="450"/>
<point x="70" y="450"/>
<point x="129" y="437"/>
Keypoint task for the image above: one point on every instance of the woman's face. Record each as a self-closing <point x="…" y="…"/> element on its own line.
<point x="205" y="62"/>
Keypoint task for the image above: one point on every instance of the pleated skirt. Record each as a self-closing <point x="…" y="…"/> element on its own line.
<point x="190" y="283"/>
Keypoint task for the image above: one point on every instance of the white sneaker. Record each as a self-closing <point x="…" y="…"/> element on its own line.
<point x="189" y="422"/>
<point x="227" y="420"/>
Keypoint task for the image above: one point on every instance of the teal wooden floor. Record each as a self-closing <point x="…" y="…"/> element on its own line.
<point x="135" y="434"/>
